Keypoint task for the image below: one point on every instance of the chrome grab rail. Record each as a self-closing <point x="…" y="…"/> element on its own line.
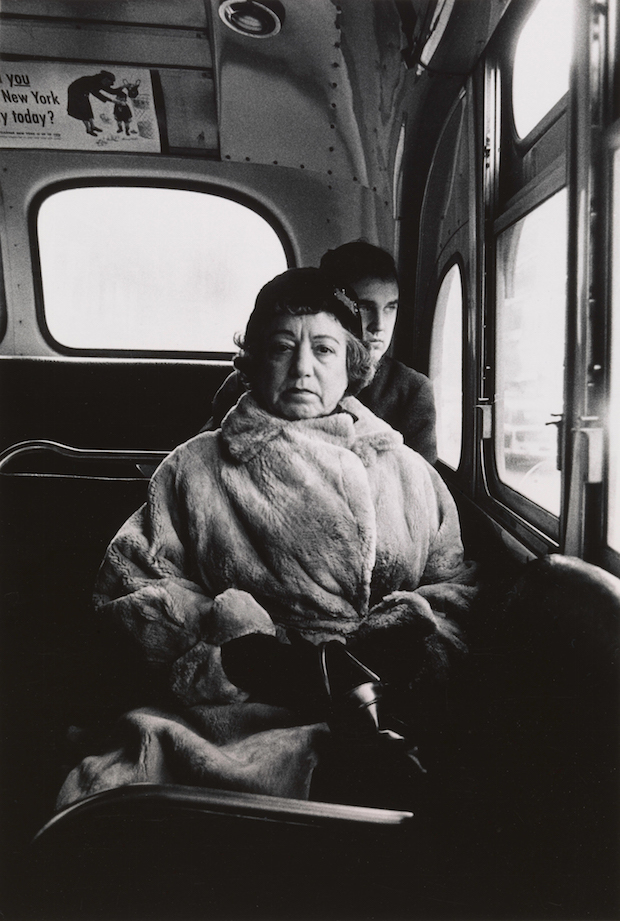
<point x="80" y="454"/>
<point x="242" y="805"/>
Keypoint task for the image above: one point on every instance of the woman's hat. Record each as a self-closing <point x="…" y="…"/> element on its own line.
<point x="313" y="289"/>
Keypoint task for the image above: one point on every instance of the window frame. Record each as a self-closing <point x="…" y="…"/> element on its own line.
<point x="543" y="520"/>
<point x="524" y="143"/>
<point x="585" y="110"/>
<point x="503" y="202"/>
<point x="207" y="188"/>
<point x="3" y="302"/>
<point x="609" y="558"/>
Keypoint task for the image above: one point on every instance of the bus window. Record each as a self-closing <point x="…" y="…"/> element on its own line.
<point x="542" y="63"/>
<point x="151" y="269"/>
<point x="531" y="307"/>
<point x="446" y="366"/>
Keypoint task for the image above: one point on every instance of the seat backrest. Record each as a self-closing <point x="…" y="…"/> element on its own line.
<point x="54" y="529"/>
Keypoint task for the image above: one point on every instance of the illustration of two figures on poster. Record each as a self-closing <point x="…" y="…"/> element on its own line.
<point x="101" y="86"/>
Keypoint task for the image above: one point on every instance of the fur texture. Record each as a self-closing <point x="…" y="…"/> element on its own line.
<point x="149" y="746"/>
<point x="327" y="528"/>
<point x="317" y="520"/>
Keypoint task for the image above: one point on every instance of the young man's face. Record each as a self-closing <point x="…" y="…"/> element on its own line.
<point x="378" y="303"/>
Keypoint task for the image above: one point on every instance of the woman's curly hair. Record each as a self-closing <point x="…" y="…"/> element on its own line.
<point x="297" y="293"/>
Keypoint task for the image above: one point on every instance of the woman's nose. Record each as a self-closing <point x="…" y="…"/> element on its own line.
<point x="301" y="366"/>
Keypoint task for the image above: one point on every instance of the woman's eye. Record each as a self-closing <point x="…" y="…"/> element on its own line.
<point x="280" y="348"/>
<point x="323" y="350"/>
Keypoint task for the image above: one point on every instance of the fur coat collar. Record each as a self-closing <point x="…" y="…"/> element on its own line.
<point x="247" y="429"/>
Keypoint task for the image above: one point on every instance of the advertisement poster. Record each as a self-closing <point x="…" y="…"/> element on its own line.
<point x="77" y="107"/>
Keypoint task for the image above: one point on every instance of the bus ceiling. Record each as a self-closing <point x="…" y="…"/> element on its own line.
<point x="345" y="74"/>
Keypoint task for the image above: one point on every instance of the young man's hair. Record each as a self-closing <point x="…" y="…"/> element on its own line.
<point x="351" y="262"/>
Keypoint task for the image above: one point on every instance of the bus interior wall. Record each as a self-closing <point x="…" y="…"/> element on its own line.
<point x="348" y="127"/>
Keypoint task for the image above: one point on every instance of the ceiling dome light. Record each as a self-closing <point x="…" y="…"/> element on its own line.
<point x="253" y="18"/>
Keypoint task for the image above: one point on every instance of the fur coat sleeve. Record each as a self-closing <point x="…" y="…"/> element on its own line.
<point x="149" y="585"/>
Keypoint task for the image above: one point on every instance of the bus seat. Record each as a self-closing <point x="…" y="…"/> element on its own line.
<point x="527" y="802"/>
<point x="59" y="508"/>
<point x="561" y="615"/>
<point x="543" y="712"/>
<point x="165" y="852"/>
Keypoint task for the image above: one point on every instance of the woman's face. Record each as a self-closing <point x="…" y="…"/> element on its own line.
<point x="378" y="305"/>
<point x="303" y="372"/>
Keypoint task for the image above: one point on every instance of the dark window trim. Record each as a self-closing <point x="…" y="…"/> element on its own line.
<point x="523" y="519"/>
<point x="555" y="113"/>
<point x="544" y="186"/>
<point x="610" y="560"/>
<point x="208" y="188"/>
<point x="602" y="552"/>
<point x="3" y="305"/>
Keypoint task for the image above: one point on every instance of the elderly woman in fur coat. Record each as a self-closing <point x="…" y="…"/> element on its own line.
<point x="304" y="520"/>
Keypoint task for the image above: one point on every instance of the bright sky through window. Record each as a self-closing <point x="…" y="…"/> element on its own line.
<point x="542" y="63"/>
<point x="446" y="366"/>
<point x="151" y="268"/>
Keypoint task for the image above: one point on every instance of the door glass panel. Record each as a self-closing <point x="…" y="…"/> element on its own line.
<point x="613" y="497"/>
<point x="541" y="69"/>
<point x="531" y="308"/>
<point x="446" y="367"/>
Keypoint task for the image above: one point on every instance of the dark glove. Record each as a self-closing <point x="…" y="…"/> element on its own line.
<point x="408" y="643"/>
<point x="276" y="673"/>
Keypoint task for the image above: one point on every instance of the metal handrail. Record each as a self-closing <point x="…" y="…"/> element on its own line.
<point x="248" y="805"/>
<point x="79" y="454"/>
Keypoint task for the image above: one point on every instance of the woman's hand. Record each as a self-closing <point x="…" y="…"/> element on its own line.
<point x="406" y="642"/>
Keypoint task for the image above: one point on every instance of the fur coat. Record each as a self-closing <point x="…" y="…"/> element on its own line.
<point x="272" y="525"/>
<point x="317" y="520"/>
